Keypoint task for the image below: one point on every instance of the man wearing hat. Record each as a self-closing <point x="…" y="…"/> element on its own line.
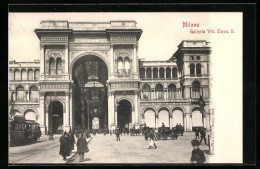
<point x="117" y="134"/>
<point x="197" y="154"/>
<point x="64" y="145"/>
<point x="82" y="147"/>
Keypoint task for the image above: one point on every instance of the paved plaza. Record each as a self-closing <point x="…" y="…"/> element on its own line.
<point x="105" y="149"/>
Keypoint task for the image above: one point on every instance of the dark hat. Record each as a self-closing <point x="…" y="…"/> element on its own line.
<point x="195" y="142"/>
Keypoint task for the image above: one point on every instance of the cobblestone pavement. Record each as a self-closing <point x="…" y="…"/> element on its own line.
<point x="133" y="149"/>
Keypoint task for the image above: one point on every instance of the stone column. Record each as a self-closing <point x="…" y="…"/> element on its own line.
<point x="136" y="108"/>
<point x="158" y="72"/>
<point x="171" y="73"/>
<point x="185" y="122"/>
<point x="66" y="121"/>
<point x="109" y="110"/>
<point x="134" y="60"/>
<point x="42" y="60"/>
<point x="113" y="108"/>
<point x="165" y="73"/>
<point x="189" y="122"/>
<point x="66" y="60"/>
<point x="41" y="118"/>
<point x="152" y="72"/>
<point x="112" y="60"/>
<point x="27" y="97"/>
<point x="71" y="111"/>
<point x="145" y="72"/>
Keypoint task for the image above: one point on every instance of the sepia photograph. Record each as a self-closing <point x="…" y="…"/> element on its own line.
<point x="125" y="88"/>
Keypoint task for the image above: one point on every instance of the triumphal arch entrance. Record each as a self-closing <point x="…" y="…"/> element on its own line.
<point x="89" y="77"/>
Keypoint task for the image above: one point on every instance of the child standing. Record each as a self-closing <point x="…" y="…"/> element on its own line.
<point x="197" y="154"/>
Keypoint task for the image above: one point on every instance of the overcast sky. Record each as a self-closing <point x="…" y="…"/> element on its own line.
<point x="162" y="32"/>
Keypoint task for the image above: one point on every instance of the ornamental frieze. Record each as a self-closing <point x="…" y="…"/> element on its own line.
<point x="87" y="47"/>
<point x="124" y="85"/>
<point x="55" y="85"/>
<point x="55" y="53"/>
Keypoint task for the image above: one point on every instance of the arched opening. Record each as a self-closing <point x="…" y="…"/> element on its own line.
<point x="177" y="117"/>
<point x="30" y="115"/>
<point x="196" y="89"/>
<point x="149" y="117"/>
<point x="15" y="113"/>
<point x="90" y="74"/>
<point x="198" y="69"/>
<point x="34" y="94"/>
<point x="155" y="73"/>
<point x="192" y="69"/>
<point x="36" y="74"/>
<point x="55" y="117"/>
<point x="11" y="74"/>
<point x="17" y="74"/>
<point x="148" y="73"/>
<point x="30" y="74"/>
<point x="52" y="67"/>
<point x="159" y="91"/>
<point x="127" y="65"/>
<point x="120" y="66"/>
<point x="24" y="74"/>
<point x="174" y="72"/>
<point x="59" y="66"/>
<point x="172" y="94"/>
<point x="146" y="91"/>
<point x="197" y="118"/>
<point x="168" y="73"/>
<point x="161" y="73"/>
<point x="124" y="112"/>
<point x="142" y="73"/>
<point x="163" y="117"/>
<point x="20" y="94"/>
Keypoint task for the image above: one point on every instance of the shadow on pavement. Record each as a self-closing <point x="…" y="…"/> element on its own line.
<point x="206" y="151"/>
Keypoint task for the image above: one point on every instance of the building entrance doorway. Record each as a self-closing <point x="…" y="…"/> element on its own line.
<point x="55" y="117"/>
<point x="124" y="112"/>
<point x="90" y="74"/>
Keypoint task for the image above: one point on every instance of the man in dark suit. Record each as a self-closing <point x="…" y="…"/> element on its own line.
<point x="197" y="134"/>
<point x="64" y="146"/>
<point x="82" y="147"/>
<point x="203" y="136"/>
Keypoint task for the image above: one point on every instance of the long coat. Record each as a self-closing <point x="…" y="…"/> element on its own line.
<point x="81" y="145"/>
<point x="64" y="145"/>
<point x="71" y="141"/>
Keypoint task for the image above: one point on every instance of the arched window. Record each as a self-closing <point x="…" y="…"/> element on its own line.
<point x="148" y="73"/>
<point x="196" y="89"/>
<point x="120" y="66"/>
<point x="59" y="66"/>
<point x="52" y="66"/>
<point x="24" y="74"/>
<point x="127" y="66"/>
<point x="20" y="94"/>
<point x="155" y="73"/>
<point x="161" y="73"/>
<point x="34" y="94"/>
<point x="11" y="74"/>
<point x="174" y="72"/>
<point x="142" y="73"/>
<point x="37" y="74"/>
<point x="192" y="69"/>
<point x="146" y="91"/>
<point x="198" y="69"/>
<point x="17" y="75"/>
<point x="168" y="72"/>
<point x="30" y="74"/>
<point x="159" y="91"/>
<point x="172" y="91"/>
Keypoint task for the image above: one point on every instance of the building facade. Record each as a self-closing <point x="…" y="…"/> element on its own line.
<point x="90" y="76"/>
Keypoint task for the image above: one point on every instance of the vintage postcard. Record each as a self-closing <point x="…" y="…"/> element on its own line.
<point x="126" y="88"/>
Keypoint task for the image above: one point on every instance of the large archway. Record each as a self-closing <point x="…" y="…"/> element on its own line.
<point x="55" y="117"/>
<point x="124" y="112"/>
<point x="90" y="74"/>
